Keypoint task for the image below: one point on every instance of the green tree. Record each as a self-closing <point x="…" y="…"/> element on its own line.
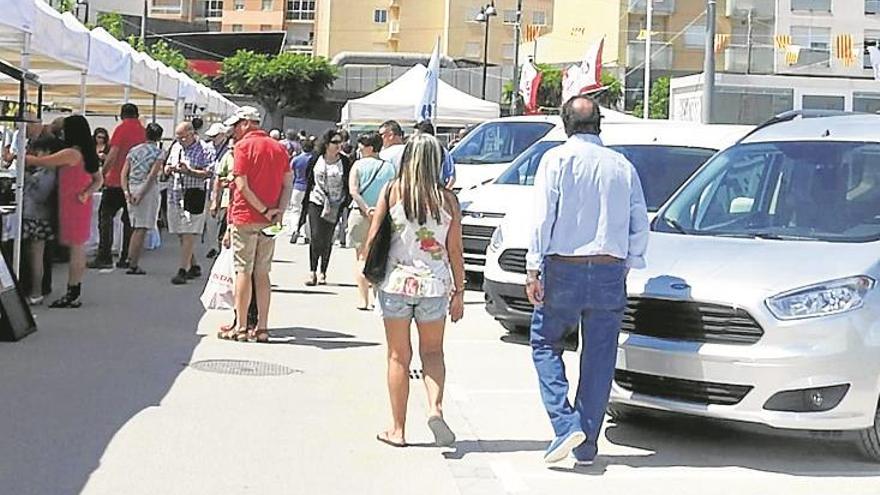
<point x="64" y="5"/>
<point x="283" y="83"/>
<point x="659" y="100"/>
<point x="112" y="23"/>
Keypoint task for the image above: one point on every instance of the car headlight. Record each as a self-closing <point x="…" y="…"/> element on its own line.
<point x="828" y="298"/>
<point x="497" y="240"/>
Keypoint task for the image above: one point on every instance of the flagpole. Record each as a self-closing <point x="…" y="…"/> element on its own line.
<point x="518" y="35"/>
<point x="646" y="110"/>
<point x="709" y="62"/>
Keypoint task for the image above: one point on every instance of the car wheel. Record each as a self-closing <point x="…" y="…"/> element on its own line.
<point x="514" y="328"/>
<point x="869" y="439"/>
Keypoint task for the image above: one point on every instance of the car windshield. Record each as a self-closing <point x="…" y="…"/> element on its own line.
<point x="498" y="142"/>
<point x="810" y="191"/>
<point x="662" y="169"/>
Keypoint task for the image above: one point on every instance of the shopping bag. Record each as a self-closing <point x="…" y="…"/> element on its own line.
<point x="218" y="292"/>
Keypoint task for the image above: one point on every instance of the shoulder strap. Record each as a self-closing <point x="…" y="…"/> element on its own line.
<point x="374" y="176"/>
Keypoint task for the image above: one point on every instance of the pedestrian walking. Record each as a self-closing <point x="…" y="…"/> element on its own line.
<point x="221" y="194"/>
<point x="590" y="228"/>
<point x="37" y="226"/>
<point x="218" y="134"/>
<point x="292" y="144"/>
<point x="102" y="144"/>
<point x="326" y="193"/>
<point x="392" y="142"/>
<point x="365" y="183"/>
<point x="189" y="164"/>
<point x="79" y="177"/>
<point x="263" y="183"/>
<point x="300" y="166"/>
<point x="141" y="186"/>
<point x="128" y="134"/>
<point x="424" y="281"/>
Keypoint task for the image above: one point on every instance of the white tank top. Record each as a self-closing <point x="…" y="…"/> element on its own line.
<point x="418" y="264"/>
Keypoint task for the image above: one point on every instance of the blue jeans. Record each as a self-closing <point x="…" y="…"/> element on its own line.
<point x="594" y="296"/>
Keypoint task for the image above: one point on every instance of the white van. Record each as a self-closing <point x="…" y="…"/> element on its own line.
<point x="665" y="153"/>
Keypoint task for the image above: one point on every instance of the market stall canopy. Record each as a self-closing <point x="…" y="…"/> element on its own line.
<point x="398" y="100"/>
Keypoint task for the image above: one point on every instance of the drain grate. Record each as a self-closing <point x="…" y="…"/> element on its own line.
<point x="242" y="367"/>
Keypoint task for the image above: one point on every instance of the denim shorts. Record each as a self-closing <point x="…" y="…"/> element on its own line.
<point x="422" y="309"/>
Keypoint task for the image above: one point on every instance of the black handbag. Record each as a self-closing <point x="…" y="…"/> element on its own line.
<point x="376" y="263"/>
<point x="194" y="200"/>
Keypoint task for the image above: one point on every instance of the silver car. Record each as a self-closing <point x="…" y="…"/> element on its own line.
<point x="759" y="302"/>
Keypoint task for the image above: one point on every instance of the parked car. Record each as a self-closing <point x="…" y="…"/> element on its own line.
<point x="665" y="154"/>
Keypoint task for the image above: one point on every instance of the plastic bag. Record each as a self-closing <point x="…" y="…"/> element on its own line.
<point x="219" y="292"/>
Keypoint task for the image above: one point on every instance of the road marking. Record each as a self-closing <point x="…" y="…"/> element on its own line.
<point x="510" y="480"/>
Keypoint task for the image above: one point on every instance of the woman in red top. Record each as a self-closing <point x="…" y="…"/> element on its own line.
<point x="79" y="177"/>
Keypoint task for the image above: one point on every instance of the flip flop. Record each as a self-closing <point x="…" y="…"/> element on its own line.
<point x="443" y="435"/>
<point x="383" y="437"/>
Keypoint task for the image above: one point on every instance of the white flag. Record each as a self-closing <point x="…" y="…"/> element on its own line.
<point x="427" y="107"/>
<point x="874" y="53"/>
<point x="579" y="79"/>
<point x="570" y="83"/>
<point x="529" y="82"/>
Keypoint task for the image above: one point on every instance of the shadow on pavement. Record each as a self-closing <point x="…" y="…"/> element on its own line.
<point x="696" y="442"/>
<point x="313" y="337"/>
<point x="69" y="388"/>
<point x="465" y="447"/>
<point x="304" y="292"/>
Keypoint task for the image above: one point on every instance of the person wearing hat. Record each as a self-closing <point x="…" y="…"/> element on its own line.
<point x="262" y="184"/>
<point x="218" y="138"/>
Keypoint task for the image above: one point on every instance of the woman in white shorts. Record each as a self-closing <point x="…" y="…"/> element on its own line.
<point x="140" y="183"/>
<point x="424" y="281"/>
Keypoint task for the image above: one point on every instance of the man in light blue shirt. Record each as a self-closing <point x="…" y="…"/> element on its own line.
<point x="590" y="228"/>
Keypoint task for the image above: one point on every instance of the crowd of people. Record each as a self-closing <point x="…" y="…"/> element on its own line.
<point x="390" y="199"/>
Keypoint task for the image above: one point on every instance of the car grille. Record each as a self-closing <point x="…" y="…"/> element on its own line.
<point x="518" y="303"/>
<point x="690" y="321"/>
<point x="678" y="389"/>
<point x="513" y="260"/>
<point x="476" y="238"/>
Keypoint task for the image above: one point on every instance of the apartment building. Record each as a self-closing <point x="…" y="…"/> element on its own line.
<point x="296" y="17"/>
<point x="388" y="26"/>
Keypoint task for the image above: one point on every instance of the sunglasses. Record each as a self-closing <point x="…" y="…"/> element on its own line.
<point x="335" y="141"/>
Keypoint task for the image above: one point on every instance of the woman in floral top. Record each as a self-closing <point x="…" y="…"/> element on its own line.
<point x="424" y="280"/>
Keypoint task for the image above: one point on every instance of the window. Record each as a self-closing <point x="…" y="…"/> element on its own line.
<point x="509" y="16"/>
<point x="265" y="27"/>
<point x="267" y="5"/>
<point x="380" y="16"/>
<point x="239" y="5"/>
<point x="473" y="49"/>
<point x="695" y="36"/>
<point x="498" y="142"/>
<point x="301" y="10"/>
<point x="811" y="5"/>
<point x="750" y="104"/>
<point x="815" y="43"/>
<point x="866" y="102"/>
<point x="539" y="18"/>
<point x="213" y="8"/>
<point x="507" y="49"/>
<point x="822" y="102"/>
<point x="237" y="28"/>
<point x="872" y="6"/>
<point x="167" y="7"/>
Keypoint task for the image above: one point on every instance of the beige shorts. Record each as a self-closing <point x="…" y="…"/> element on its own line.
<point x="181" y="221"/>
<point x="358" y="228"/>
<point x="253" y="251"/>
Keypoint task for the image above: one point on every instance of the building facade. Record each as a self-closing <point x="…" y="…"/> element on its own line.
<point x="389" y="26"/>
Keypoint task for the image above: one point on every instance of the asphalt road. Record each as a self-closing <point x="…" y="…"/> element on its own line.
<point x="123" y="397"/>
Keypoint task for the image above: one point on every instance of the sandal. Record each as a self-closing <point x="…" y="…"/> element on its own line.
<point x="258" y="336"/>
<point x="67" y="301"/>
<point x="383" y="437"/>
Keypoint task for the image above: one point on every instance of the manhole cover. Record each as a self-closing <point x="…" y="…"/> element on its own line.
<point x="242" y="367"/>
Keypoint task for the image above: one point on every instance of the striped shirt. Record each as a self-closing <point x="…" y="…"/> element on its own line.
<point x="198" y="156"/>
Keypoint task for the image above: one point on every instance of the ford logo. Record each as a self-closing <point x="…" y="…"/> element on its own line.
<point x="680" y="286"/>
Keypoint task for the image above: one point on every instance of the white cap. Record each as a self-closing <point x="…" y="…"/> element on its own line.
<point x="216" y="129"/>
<point x="243" y="113"/>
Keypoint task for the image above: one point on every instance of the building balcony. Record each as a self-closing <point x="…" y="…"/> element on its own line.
<point x="661" y="7"/>
<point x="761" y="9"/>
<point x="393" y="30"/>
<point x="737" y="59"/>
<point x="661" y="54"/>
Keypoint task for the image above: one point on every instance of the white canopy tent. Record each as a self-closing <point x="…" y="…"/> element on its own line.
<point x="399" y="99"/>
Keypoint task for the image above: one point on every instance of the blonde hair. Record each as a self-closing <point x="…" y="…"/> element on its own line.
<point x="419" y="179"/>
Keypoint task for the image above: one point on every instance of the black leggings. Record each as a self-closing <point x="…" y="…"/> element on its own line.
<point x="322" y="239"/>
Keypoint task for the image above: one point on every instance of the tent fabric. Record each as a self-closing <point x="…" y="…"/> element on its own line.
<point x="19" y="15"/>
<point x="398" y="100"/>
<point x="55" y="38"/>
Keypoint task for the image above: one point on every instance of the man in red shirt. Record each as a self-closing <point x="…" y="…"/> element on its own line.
<point x="263" y="182"/>
<point x="128" y="134"/>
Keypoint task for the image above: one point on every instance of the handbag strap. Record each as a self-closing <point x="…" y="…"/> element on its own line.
<point x="374" y="176"/>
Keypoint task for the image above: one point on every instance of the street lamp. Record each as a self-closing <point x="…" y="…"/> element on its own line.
<point x="486" y="13"/>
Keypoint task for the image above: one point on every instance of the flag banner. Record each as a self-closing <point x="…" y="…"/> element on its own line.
<point x="427" y="107"/>
<point x="843" y="47"/>
<point x="570" y="83"/>
<point x="529" y="82"/>
<point x="532" y="32"/>
<point x="579" y="79"/>
<point x="722" y="41"/>
<point x="783" y="41"/>
<point x="792" y="54"/>
<point x="874" y="53"/>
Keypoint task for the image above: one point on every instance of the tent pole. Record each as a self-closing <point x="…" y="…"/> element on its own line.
<point x="126" y="96"/>
<point x="176" y="118"/>
<point x="19" y="163"/>
<point x="154" y="109"/>
<point x="83" y="92"/>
